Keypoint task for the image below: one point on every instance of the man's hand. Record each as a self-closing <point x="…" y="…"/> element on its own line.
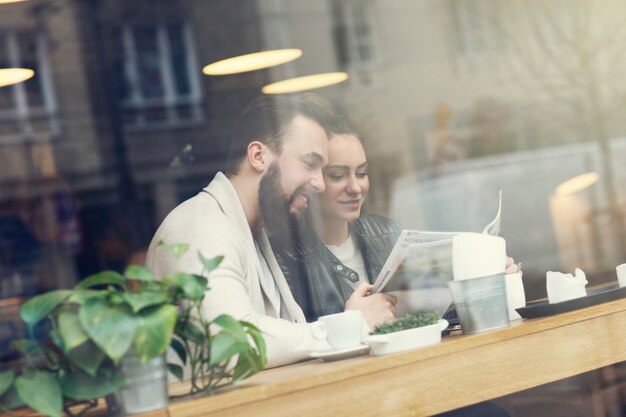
<point x="376" y="308"/>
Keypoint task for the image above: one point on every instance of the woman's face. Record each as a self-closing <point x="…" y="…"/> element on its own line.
<point x="346" y="179"/>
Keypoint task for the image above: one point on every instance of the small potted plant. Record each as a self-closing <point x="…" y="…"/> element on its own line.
<point x="409" y="332"/>
<point x="92" y="334"/>
<point x="108" y="337"/>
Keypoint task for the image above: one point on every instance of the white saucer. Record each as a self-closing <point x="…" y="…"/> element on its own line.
<point x="337" y="355"/>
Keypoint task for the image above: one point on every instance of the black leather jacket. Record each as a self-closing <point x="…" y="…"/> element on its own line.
<point x="314" y="273"/>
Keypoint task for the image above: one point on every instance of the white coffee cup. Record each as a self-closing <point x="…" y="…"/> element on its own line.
<point x="621" y="274"/>
<point x="343" y="330"/>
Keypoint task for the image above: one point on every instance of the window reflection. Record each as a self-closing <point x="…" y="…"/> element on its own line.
<point x="26" y="109"/>
<point x="456" y="99"/>
<point x="159" y="82"/>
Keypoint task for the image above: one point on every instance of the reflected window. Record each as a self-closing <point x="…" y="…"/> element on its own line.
<point x="479" y="37"/>
<point x="159" y="82"/>
<point x="28" y="109"/>
<point x="354" y="40"/>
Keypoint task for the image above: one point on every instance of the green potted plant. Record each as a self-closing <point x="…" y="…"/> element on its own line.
<point x="409" y="332"/>
<point x="208" y="348"/>
<point x="112" y="331"/>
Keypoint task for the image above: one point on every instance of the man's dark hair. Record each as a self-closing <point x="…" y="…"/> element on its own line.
<point x="266" y="119"/>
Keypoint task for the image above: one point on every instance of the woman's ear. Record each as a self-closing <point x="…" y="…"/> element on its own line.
<point x="258" y="156"/>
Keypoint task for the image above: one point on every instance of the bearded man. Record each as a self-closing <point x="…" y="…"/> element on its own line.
<point x="275" y="165"/>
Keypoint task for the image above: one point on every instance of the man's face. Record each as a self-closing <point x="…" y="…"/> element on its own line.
<point x="295" y="175"/>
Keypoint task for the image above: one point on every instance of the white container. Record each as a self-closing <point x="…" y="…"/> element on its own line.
<point x="480" y="303"/>
<point x="383" y="344"/>
<point x="515" y="296"/>
<point x="476" y="255"/>
<point x="144" y="388"/>
<point x="563" y="287"/>
<point x="621" y="274"/>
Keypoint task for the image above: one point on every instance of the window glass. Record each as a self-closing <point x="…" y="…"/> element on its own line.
<point x="455" y="100"/>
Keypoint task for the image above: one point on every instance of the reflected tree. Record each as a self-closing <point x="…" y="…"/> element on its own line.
<point x="566" y="56"/>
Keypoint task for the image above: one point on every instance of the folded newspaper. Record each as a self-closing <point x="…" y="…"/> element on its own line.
<point x="421" y="260"/>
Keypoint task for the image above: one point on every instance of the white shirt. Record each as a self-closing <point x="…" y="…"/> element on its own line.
<point x="267" y="279"/>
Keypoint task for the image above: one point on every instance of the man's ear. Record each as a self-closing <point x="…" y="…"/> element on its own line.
<point x="259" y="156"/>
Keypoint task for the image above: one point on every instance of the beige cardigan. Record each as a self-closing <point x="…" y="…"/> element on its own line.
<point x="213" y="223"/>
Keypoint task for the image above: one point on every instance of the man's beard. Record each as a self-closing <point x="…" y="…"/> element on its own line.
<point x="280" y="223"/>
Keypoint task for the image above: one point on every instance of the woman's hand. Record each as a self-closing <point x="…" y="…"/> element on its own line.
<point x="376" y="308"/>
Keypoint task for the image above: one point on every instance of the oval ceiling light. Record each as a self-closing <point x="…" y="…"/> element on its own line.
<point x="10" y="76"/>
<point x="308" y="82"/>
<point x="10" y="1"/>
<point x="579" y="182"/>
<point x="251" y="62"/>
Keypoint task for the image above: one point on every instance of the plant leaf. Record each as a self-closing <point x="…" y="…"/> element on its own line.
<point x="71" y="331"/>
<point x="56" y="338"/>
<point x="80" y="386"/>
<point x="191" y="332"/>
<point x="248" y="364"/>
<point x="141" y="300"/>
<point x="192" y="286"/>
<point x="176" y="370"/>
<point x="28" y="347"/>
<point x="80" y="296"/>
<point x="224" y="346"/>
<point x="87" y="357"/>
<point x="156" y="326"/>
<point x="114" y="297"/>
<point x="210" y="264"/>
<point x="11" y="399"/>
<point x="138" y="272"/>
<point x="38" y="307"/>
<point x="232" y="326"/>
<point x="259" y="341"/>
<point x="101" y="278"/>
<point x="6" y="379"/>
<point x="249" y="325"/>
<point x="179" y="348"/>
<point x="112" y="328"/>
<point x="176" y="249"/>
<point x="48" y="398"/>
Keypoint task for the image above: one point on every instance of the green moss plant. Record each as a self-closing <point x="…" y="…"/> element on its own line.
<point x="407" y="322"/>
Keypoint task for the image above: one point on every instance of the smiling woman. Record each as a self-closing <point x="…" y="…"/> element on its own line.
<point x="347" y="185"/>
<point x="340" y="251"/>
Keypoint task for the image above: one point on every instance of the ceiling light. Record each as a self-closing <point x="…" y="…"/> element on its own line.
<point x="308" y="82"/>
<point x="251" y="62"/>
<point x="10" y="76"/>
<point x="579" y="182"/>
<point x="10" y="1"/>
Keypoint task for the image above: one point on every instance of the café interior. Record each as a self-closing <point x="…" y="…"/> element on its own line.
<point x="113" y="112"/>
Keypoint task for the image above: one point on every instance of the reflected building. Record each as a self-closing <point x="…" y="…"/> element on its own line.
<point x="456" y="100"/>
<point x="116" y="128"/>
<point x="459" y="99"/>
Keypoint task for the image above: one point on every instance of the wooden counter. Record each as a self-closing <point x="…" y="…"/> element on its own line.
<point x="462" y="370"/>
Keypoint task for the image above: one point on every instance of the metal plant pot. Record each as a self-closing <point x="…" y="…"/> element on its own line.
<point x="144" y="389"/>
